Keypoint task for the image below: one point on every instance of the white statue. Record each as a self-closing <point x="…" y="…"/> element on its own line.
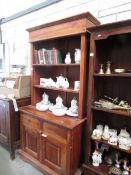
<point x="96" y="134"/>
<point x="65" y="84"/>
<point x="100" y="127"/>
<point x="58" y="109"/>
<point x="44" y="104"/>
<point x="74" y="106"/>
<point x="45" y="99"/>
<point x="59" y="103"/>
<point x="68" y="58"/>
<point x="105" y="134"/>
<point x="77" y="55"/>
<point x="96" y="158"/>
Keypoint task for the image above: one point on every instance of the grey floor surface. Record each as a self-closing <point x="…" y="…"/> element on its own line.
<point x="16" y="166"/>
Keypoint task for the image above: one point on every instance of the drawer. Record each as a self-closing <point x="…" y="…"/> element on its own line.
<point x="30" y="122"/>
<point x="55" y="130"/>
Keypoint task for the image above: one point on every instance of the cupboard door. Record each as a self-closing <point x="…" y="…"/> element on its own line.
<point x="30" y="141"/>
<point x="4" y="122"/>
<point x="54" y="154"/>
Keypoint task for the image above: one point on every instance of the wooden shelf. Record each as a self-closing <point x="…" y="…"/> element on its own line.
<point x="113" y="111"/>
<point x="100" y="170"/>
<point x="114" y="146"/>
<point x="55" y="65"/>
<point x="70" y="90"/>
<point x="113" y="75"/>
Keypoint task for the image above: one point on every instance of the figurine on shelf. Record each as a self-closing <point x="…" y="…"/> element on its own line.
<point x="101" y="69"/>
<point x="45" y="99"/>
<point x="96" y="134"/>
<point x="116" y="169"/>
<point x="44" y="104"/>
<point x="62" y="82"/>
<point x="66" y="84"/>
<point x="105" y="135"/>
<point x="59" y="103"/>
<point x="96" y="156"/>
<point x="77" y="55"/>
<point x="68" y="58"/>
<point x="113" y="138"/>
<point x="108" y="71"/>
<point x="73" y="110"/>
<point x="100" y="127"/>
<point x="58" y="109"/>
<point x="125" y="167"/>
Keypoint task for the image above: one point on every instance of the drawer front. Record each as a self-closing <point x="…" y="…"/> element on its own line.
<point x="30" y="122"/>
<point x="55" y="130"/>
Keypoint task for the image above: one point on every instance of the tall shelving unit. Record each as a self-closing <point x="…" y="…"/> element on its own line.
<point x="110" y="42"/>
<point x="49" y="134"/>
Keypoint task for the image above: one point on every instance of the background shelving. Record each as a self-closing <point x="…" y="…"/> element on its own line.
<point x="108" y="43"/>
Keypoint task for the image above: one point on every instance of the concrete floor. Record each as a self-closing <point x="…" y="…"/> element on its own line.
<point x="16" y="166"/>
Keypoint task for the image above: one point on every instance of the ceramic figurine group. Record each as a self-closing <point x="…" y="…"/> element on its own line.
<point x="58" y="109"/>
<point x="108" y="69"/>
<point x="77" y="56"/>
<point x="121" y="166"/>
<point x="61" y="82"/>
<point x="116" y="165"/>
<point x="123" y="140"/>
<point x="110" y="103"/>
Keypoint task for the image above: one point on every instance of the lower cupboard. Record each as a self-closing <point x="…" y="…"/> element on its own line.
<point x="51" y="143"/>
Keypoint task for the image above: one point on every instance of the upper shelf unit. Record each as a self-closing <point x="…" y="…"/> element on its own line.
<point x="50" y="44"/>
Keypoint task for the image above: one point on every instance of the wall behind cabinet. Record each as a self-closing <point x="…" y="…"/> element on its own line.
<point x="15" y="35"/>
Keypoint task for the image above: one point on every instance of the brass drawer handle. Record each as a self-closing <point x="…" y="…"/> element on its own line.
<point x="44" y="135"/>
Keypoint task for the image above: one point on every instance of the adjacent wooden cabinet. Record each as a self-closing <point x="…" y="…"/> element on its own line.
<point x="110" y="42"/>
<point x="53" y="143"/>
<point x="10" y="123"/>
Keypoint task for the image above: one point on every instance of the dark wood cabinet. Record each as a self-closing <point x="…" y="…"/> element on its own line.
<point x="110" y="42"/>
<point x="54" y="145"/>
<point x="10" y="123"/>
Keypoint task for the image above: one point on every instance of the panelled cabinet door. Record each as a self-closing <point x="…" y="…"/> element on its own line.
<point x="54" y="154"/>
<point x="31" y="141"/>
<point x="4" y="121"/>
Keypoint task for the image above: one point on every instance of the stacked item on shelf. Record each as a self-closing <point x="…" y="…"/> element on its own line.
<point x="47" y="56"/>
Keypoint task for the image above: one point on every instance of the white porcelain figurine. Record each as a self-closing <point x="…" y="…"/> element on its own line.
<point x="105" y="134"/>
<point x="44" y="104"/>
<point x="73" y="110"/>
<point x="59" y="109"/>
<point x="77" y="55"/>
<point x="68" y="58"/>
<point x="96" y="158"/>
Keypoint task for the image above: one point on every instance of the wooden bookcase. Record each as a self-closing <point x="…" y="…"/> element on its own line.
<point x="110" y="42"/>
<point x="54" y="143"/>
<point x="65" y="35"/>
